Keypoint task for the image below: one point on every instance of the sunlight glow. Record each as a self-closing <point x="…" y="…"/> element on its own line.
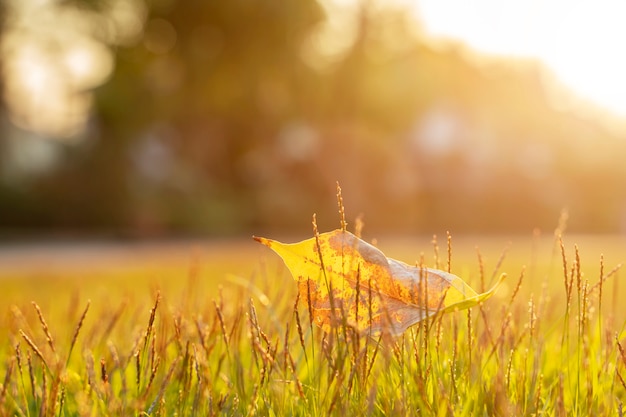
<point x="587" y="53"/>
<point x="579" y="41"/>
<point x="37" y="91"/>
<point x="332" y="38"/>
<point x="52" y="59"/>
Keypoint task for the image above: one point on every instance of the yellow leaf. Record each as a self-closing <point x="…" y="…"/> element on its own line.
<point x="347" y="281"/>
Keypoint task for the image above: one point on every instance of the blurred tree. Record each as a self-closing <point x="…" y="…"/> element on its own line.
<point x="223" y="117"/>
<point x="210" y="83"/>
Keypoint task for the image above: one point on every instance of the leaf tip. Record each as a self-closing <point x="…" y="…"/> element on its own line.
<point x="262" y="240"/>
<point x="495" y="287"/>
<point x="501" y="279"/>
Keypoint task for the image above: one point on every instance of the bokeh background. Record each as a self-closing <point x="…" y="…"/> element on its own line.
<point x="149" y="118"/>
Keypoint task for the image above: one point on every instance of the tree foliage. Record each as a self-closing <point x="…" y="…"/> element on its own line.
<point x="227" y="116"/>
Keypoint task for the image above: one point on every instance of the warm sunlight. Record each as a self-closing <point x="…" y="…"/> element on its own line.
<point x="52" y="59"/>
<point x="579" y="41"/>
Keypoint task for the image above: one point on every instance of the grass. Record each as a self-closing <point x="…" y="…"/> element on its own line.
<point x="197" y="341"/>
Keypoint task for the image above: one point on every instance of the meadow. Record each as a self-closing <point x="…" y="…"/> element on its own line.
<point x="217" y="329"/>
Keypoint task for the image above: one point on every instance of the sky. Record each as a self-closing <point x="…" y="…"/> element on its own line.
<point x="580" y="41"/>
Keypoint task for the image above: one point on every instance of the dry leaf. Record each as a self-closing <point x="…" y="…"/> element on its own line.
<point x="346" y="280"/>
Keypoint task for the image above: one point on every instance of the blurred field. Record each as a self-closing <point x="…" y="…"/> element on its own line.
<point x="96" y="269"/>
<point x="208" y="327"/>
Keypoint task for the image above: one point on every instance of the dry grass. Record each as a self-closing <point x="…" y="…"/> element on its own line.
<point x="551" y="343"/>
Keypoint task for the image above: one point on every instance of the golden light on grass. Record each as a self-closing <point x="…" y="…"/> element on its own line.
<point x="539" y="348"/>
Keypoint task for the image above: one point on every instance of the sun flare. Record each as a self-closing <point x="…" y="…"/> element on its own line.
<point x="579" y="42"/>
